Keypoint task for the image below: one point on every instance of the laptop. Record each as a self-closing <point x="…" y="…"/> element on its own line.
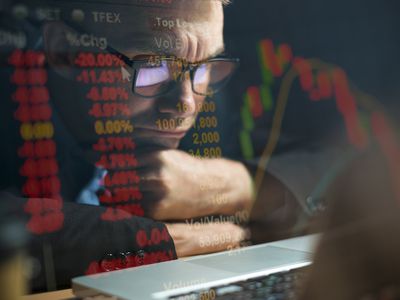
<point x="202" y="277"/>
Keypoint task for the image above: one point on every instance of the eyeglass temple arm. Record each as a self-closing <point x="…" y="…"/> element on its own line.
<point x="120" y="55"/>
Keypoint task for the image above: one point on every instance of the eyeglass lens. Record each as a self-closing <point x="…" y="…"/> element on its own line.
<point x="209" y="77"/>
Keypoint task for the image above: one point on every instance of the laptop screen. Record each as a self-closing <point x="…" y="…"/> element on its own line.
<point x="209" y="125"/>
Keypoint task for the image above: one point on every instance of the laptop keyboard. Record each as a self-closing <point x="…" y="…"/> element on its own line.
<point x="277" y="286"/>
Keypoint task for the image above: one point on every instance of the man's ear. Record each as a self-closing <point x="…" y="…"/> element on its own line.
<point x="60" y="53"/>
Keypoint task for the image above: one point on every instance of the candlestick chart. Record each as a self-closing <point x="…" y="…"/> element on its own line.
<point x="364" y="117"/>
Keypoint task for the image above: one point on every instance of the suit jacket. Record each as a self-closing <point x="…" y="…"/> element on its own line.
<point x="77" y="241"/>
<point x="67" y="239"/>
<point x="70" y="239"/>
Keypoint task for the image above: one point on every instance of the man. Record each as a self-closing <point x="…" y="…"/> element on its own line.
<point x="170" y="180"/>
<point x="86" y="239"/>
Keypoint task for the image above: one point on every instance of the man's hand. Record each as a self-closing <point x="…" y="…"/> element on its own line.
<point x="206" y="238"/>
<point x="177" y="186"/>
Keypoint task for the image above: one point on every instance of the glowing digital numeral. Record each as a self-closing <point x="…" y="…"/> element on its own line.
<point x="113" y="127"/>
<point x="206" y="137"/>
<point x="39" y="130"/>
<point x="212" y="152"/>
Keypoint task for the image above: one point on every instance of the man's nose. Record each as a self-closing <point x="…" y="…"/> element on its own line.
<point x="181" y="101"/>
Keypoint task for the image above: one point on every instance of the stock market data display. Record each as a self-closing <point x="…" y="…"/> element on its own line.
<point x="139" y="131"/>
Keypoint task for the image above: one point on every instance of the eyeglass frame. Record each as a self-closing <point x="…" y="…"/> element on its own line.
<point x="133" y="63"/>
<point x="136" y="64"/>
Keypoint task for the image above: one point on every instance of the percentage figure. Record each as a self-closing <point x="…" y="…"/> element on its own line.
<point x="91" y="60"/>
<point x="114" y="144"/>
<point x="117" y="161"/>
<point x="113" y="127"/>
<point x="109" y="110"/>
<point x="107" y="94"/>
<point x="90" y="76"/>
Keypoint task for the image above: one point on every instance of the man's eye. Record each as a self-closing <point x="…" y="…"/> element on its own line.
<point x="151" y="76"/>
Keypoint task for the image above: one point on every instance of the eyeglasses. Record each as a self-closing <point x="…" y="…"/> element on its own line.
<point x="158" y="75"/>
<point x="155" y="76"/>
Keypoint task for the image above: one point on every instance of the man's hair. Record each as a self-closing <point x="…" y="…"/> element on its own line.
<point x="225" y="2"/>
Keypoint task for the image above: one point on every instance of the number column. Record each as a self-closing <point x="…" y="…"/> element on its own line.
<point x="101" y="74"/>
<point x="38" y="150"/>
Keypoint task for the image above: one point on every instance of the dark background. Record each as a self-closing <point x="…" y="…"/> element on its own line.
<point x="361" y="37"/>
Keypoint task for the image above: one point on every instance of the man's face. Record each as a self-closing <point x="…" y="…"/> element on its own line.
<point x="191" y="31"/>
<point x="194" y="33"/>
